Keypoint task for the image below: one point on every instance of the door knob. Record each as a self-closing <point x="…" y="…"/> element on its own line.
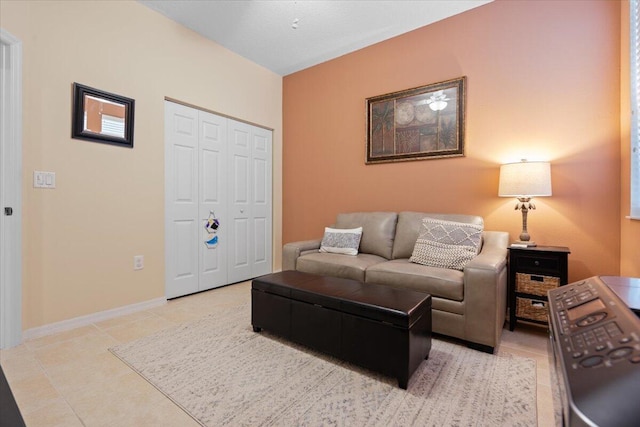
<point x="8" y="211"/>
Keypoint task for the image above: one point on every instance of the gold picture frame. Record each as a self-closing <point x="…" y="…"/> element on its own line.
<point x="425" y="122"/>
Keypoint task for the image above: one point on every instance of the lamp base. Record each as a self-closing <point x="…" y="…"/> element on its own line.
<point x="523" y="244"/>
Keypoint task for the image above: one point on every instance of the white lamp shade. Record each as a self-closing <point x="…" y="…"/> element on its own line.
<point x="525" y="179"/>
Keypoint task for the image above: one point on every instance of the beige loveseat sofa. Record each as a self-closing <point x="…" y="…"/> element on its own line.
<point x="468" y="304"/>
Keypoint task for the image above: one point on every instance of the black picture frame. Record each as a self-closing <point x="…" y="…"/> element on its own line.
<point x="426" y="122"/>
<point x="100" y="116"/>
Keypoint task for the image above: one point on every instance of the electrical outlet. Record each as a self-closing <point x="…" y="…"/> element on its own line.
<point x="138" y="262"/>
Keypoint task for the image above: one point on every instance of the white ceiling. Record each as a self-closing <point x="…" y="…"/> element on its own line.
<point x="261" y="30"/>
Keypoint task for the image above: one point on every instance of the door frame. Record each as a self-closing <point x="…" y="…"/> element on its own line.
<point x="11" y="186"/>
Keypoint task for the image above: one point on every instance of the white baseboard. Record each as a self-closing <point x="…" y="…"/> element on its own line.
<point x="77" y="322"/>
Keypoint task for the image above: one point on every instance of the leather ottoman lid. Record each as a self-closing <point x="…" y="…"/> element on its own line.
<point x="400" y="307"/>
<point x="282" y="283"/>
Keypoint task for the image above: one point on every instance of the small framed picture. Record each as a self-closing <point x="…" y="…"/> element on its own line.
<point x="101" y="116"/>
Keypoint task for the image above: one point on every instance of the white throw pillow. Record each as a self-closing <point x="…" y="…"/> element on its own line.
<point x="341" y="240"/>
<point x="447" y="244"/>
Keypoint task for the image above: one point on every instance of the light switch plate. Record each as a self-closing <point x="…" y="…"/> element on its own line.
<point x="44" y="179"/>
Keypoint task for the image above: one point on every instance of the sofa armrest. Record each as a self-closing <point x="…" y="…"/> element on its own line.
<point x="485" y="290"/>
<point x="291" y="252"/>
<point x="493" y="255"/>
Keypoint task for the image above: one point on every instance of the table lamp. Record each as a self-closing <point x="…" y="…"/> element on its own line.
<point x="525" y="180"/>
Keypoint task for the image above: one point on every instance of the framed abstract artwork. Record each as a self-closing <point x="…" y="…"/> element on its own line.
<point x="426" y="122"/>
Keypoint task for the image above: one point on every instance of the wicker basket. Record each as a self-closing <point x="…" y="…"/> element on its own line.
<point x="534" y="284"/>
<point x="531" y="309"/>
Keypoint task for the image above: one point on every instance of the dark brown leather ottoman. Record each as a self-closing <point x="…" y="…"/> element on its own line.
<point x="384" y="329"/>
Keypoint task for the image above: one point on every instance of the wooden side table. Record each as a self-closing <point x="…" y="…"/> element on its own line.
<point x="532" y="272"/>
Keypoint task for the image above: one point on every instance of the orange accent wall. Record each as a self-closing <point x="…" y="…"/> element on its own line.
<point x="543" y="83"/>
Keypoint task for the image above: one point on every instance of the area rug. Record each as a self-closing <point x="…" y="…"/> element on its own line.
<point x="222" y="373"/>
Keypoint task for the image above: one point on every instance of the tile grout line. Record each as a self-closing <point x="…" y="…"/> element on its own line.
<point x="61" y="395"/>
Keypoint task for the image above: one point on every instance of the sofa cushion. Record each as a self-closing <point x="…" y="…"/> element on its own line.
<point x="408" y="229"/>
<point x="400" y="273"/>
<point x="378" y="230"/>
<point x="446" y="244"/>
<point x="337" y="265"/>
<point x="341" y="241"/>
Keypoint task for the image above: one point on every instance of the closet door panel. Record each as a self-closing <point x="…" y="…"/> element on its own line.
<point x="261" y="209"/>
<point x="181" y="200"/>
<point x="213" y="193"/>
<point x="239" y="200"/>
<point x="215" y="168"/>
<point x="183" y="249"/>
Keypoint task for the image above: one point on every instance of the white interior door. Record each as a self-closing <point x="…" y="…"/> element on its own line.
<point x="215" y="168"/>
<point x="213" y="193"/>
<point x="239" y="200"/>
<point x="250" y="193"/>
<point x="261" y="210"/>
<point x="10" y="190"/>
<point x="182" y="216"/>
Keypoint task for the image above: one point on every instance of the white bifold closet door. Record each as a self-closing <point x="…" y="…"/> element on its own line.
<point x="249" y="201"/>
<point x="215" y="166"/>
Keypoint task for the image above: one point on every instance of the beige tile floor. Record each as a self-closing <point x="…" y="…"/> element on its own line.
<point x="71" y="379"/>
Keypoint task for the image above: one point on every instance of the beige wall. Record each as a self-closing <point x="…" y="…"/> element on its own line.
<point x="79" y="239"/>
<point x="629" y="229"/>
<point x="543" y="84"/>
